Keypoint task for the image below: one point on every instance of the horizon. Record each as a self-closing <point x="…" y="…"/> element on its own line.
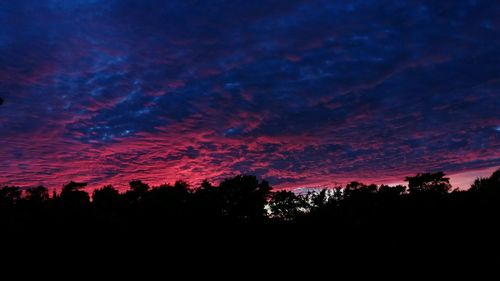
<point x="299" y="93"/>
<point x="461" y="182"/>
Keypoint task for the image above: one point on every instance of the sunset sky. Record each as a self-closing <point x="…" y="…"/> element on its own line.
<point x="301" y="93"/>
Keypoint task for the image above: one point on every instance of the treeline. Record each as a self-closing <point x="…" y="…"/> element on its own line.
<point x="429" y="196"/>
<point x="427" y="220"/>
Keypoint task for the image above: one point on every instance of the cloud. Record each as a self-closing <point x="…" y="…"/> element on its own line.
<point x="303" y="93"/>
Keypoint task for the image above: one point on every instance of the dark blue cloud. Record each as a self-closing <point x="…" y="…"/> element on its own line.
<point x="290" y="90"/>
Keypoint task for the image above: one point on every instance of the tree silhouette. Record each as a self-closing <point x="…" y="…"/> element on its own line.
<point x="352" y="217"/>
<point x="287" y="205"/>
<point x="168" y="200"/>
<point x="318" y="199"/>
<point x="37" y="195"/>
<point x="106" y="198"/>
<point x="9" y="195"/>
<point x="484" y="197"/>
<point x="243" y="197"/>
<point x="429" y="182"/>
<point x="491" y="184"/>
<point x="72" y="196"/>
<point x="137" y="191"/>
<point x="139" y="187"/>
<point x="359" y="190"/>
<point x="207" y="202"/>
<point x="392" y="192"/>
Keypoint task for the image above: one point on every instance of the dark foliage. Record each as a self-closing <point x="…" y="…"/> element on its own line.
<point x="384" y="219"/>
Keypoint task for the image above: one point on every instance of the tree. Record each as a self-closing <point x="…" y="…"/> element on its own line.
<point x="180" y="188"/>
<point x="168" y="199"/>
<point x="286" y="205"/>
<point x="490" y="184"/>
<point x="357" y="189"/>
<point x="137" y="191"/>
<point x="37" y="194"/>
<point x="207" y="201"/>
<point x="429" y="182"/>
<point x="318" y="199"/>
<point x="243" y="197"/>
<point x="10" y="195"/>
<point x="72" y="196"/>
<point x="484" y="196"/>
<point x="206" y="185"/>
<point x="106" y="198"/>
<point x="139" y="187"/>
<point x="387" y="191"/>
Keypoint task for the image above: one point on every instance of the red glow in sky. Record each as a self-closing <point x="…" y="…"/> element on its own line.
<point x="301" y="93"/>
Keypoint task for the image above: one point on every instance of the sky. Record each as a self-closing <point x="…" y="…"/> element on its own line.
<point x="300" y="93"/>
